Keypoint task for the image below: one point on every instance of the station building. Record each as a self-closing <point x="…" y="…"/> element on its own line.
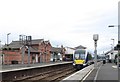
<point x="40" y="51"/>
<point x="110" y="55"/>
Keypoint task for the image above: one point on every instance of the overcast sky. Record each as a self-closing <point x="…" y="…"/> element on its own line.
<point x="63" y="22"/>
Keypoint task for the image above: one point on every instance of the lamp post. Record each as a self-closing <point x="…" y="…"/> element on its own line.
<point x="95" y="38"/>
<point x="45" y="53"/>
<point x="8" y="38"/>
<point x="113" y="44"/>
<point x="7" y="44"/>
<point x="112" y="48"/>
<point x="118" y="48"/>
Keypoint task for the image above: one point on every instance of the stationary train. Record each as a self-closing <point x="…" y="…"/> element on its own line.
<point x="81" y="58"/>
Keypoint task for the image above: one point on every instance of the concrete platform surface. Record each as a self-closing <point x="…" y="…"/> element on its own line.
<point x="79" y="75"/>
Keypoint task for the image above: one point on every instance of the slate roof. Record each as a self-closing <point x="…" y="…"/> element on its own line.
<point x="58" y="50"/>
<point x="108" y="52"/>
<point x="33" y="49"/>
<point x="18" y="45"/>
<point x="80" y="47"/>
<point x="13" y="45"/>
<point x="71" y="48"/>
<point x="46" y="42"/>
<point x="37" y="41"/>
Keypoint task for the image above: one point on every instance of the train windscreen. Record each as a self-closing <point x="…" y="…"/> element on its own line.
<point x="79" y="54"/>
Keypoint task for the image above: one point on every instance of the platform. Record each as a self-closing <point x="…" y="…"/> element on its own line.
<point x="106" y="72"/>
<point x="6" y="68"/>
<point x="79" y="75"/>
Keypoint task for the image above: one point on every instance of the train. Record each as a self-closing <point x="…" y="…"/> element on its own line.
<point x="82" y="58"/>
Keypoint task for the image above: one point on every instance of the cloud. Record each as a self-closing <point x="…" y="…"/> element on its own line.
<point x="67" y="22"/>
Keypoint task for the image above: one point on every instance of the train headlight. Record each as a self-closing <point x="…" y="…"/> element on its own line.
<point x="83" y="62"/>
<point x="74" y="64"/>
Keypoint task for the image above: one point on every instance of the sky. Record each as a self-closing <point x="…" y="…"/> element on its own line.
<point x="63" y="22"/>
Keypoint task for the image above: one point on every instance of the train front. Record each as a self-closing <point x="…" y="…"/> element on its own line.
<point x="79" y="58"/>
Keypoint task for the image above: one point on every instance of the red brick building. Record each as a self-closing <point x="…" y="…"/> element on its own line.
<point x="40" y="52"/>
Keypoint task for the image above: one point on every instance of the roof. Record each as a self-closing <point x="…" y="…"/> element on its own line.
<point x="80" y="47"/>
<point x="17" y="44"/>
<point x="58" y="50"/>
<point x="33" y="49"/>
<point x="47" y="42"/>
<point x="108" y="52"/>
<point x="71" y="48"/>
<point x="13" y="45"/>
<point x="37" y="41"/>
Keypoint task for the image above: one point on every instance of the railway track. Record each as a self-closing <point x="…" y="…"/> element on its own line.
<point x="49" y="76"/>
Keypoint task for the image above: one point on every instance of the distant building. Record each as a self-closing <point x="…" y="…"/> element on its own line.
<point x="57" y="54"/>
<point x="69" y="53"/>
<point x="69" y="50"/>
<point x="110" y="55"/>
<point x="80" y="47"/>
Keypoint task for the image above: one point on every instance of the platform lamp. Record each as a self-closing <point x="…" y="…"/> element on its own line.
<point x="95" y="38"/>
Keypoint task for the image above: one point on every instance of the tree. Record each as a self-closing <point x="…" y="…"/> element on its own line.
<point x="89" y="56"/>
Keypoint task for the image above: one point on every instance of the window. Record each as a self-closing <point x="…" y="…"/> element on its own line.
<point x="80" y="54"/>
<point x="76" y="56"/>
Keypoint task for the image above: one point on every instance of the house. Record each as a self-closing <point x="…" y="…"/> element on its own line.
<point x="57" y="54"/>
<point x="69" y="53"/>
<point x="17" y="52"/>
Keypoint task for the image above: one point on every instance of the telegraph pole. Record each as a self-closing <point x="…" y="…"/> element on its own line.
<point x="26" y="41"/>
<point x="28" y="44"/>
<point x="22" y="42"/>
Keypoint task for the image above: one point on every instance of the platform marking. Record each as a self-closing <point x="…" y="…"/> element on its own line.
<point x="97" y="73"/>
<point x="87" y="75"/>
<point x="114" y="66"/>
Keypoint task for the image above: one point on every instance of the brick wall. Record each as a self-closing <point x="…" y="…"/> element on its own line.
<point x="10" y="56"/>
